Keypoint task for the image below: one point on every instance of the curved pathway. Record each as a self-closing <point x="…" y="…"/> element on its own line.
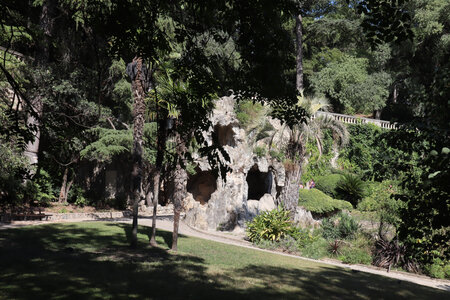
<point x="165" y="223"/>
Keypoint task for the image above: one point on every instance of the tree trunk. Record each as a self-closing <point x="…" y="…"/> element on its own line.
<point x="62" y="193"/>
<point x="395" y="94"/>
<point x="32" y="148"/>
<point x="69" y="185"/>
<point x="42" y="59"/>
<point x="377" y="114"/>
<point x="299" y="53"/>
<point x="157" y="182"/>
<point x="161" y="147"/>
<point x="289" y="195"/>
<point x="180" y="179"/>
<point x="138" y="128"/>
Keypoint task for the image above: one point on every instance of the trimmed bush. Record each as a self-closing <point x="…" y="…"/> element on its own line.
<point x="318" y="202"/>
<point x="328" y="184"/>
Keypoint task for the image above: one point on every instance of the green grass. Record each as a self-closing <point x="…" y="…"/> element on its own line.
<point x="92" y="260"/>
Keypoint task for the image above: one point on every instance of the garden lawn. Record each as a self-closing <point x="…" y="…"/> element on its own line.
<point x="92" y="260"/>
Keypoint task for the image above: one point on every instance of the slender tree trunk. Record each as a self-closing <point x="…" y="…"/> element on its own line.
<point x="179" y="191"/>
<point x="62" y="193"/>
<point x="299" y="52"/>
<point x="68" y="187"/>
<point x="395" y="94"/>
<point x="161" y="147"/>
<point x="157" y="182"/>
<point x="138" y="127"/>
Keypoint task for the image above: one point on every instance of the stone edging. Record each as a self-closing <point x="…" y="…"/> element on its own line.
<point x="162" y="210"/>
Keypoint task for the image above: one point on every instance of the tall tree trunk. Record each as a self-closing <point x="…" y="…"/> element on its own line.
<point x="42" y="59"/>
<point x="179" y="191"/>
<point x="161" y="148"/>
<point x="138" y="128"/>
<point x="299" y="52"/>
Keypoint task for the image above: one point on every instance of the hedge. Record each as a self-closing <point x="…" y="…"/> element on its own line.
<point x="328" y="184"/>
<point x="318" y="202"/>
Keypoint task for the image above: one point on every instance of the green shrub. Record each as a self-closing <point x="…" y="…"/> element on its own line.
<point x="270" y="225"/>
<point x="342" y="226"/>
<point x="304" y="236"/>
<point x="45" y="191"/>
<point x="320" y="203"/>
<point x="328" y="184"/>
<point x="351" y="188"/>
<point x="76" y="196"/>
<point x="265" y="244"/>
<point x="374" y="191"/>
<point x="80" y="201"/>
<point x="447" y="270"/>
<point x="438" y="269"/>
<point x="353" y="255"/>
<point x="368" y="204"/>
<point x="260" y="151"/>
<point x="288" y="244"/>
<point x="280" y="156"/>
<point x="248" y="112"/>
<point x="315" y="250"/>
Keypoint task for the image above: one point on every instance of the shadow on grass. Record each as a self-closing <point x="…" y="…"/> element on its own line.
<point x="94" y="261"/>
<point x="330" y="283"/>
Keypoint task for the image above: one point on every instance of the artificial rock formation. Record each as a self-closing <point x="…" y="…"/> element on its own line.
<point x="249" y="189"/>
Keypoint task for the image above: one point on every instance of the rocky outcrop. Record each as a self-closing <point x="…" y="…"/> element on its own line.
<point x="304" y="218"/>
<point x="251" y="186"/>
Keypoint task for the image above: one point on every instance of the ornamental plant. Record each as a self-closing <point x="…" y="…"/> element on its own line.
<point x="271" y="225"/>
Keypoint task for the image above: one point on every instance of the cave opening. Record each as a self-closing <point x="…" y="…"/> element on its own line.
<point x="259" y="183"/>
<point x="201" y="185"/>
<point x="225" y="135"/>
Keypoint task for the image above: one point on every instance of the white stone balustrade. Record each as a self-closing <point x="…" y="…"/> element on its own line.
<point x="355" y="120"/>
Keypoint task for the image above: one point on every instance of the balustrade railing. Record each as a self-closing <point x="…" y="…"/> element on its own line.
<point x="355" y="120"/>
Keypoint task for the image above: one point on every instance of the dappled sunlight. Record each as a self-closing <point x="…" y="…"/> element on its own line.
<point x="94" y="260"/>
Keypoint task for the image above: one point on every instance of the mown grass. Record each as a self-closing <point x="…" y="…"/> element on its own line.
<point x="92" y="260"/>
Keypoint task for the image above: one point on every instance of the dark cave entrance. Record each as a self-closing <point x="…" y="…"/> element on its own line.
<point x="201" y="186"/>
<point x="259" y="183"/>
<point x="225" y="135"/>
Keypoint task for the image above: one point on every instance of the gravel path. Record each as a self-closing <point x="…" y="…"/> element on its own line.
<point x="237" y="239"/>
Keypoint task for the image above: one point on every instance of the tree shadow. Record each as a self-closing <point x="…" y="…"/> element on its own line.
<point x="330" y="283"/>
<point x="44" y="262"/>
<point x="94" y="261"/>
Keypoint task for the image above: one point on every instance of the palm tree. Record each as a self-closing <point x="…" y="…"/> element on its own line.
<point x="138" y="83"/>
<point x="164" y="98"/>
<point x="180" y="179"/>
<point x="298" y="137"/>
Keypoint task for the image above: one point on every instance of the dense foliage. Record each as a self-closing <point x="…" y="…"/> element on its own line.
<point x="67" y="112"/>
